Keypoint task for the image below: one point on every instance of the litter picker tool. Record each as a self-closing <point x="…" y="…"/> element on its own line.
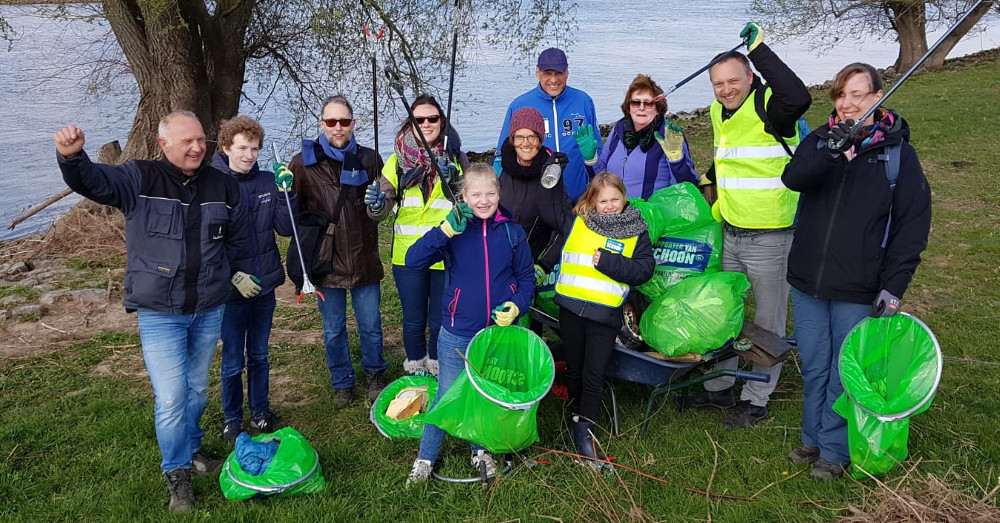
<point x="307" y="286"/>
<point x="397" y="86"/>
<point x="374" y="38"/>
<point x="834" y="144"/>
<point x="451" y="79"/>
<point x="695" y="74"/>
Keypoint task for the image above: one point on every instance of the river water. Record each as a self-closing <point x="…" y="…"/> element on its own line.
<point x="41" y="87"/>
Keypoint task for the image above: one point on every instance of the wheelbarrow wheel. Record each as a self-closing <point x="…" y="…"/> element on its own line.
<point x="632" y="310"/>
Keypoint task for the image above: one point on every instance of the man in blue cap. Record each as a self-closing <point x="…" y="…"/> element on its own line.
<point x="565" y="110"/>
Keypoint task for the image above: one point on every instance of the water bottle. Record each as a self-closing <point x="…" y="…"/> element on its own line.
<point x="553" y="168"/>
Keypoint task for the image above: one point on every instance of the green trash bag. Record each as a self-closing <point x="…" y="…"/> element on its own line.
<point x="409" y="428"/>
<point x="545" y="294"/>
<point x="495" y="401"/>
<point x="293" y="470"/>
<point x="890" y="368"/>
<point x="698" y="314"/>
<point x="688" y="241"/>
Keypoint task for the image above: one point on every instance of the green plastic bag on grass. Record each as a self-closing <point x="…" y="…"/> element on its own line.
<point x="698" y="314"/>
<point x="412" y="427"/>
<point x="495" y="403"/>
<point x="294" y="470"/>
<point x="890" y="368"/>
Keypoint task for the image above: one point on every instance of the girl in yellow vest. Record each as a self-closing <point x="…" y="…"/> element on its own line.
<point x="607" y="251"/>
<point x="412" y="185"/>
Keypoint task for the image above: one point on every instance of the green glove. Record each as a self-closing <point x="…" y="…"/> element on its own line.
<point x="506" y="314"/>
<point x="753" y="35"/>
<point x="249" y="286"/>
<point x="456" y="221"/>
<point x="673" y="143"/>
<point x="282" y="176"/>
<point x="585" y="140"/>
<point x="539" y="275"/>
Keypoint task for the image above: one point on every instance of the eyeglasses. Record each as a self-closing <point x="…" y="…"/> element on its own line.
<point x="430" y="119"/>
<point x="530" y="139"/>
<point x="332" y="122"/>
<point x="853" y="97"/>
<point x="639" y="103"/>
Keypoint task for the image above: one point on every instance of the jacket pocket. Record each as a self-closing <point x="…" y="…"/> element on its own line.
<point x="453" y="305"/>
<point x="164" y="219"/>
<point x="150" y="283"/>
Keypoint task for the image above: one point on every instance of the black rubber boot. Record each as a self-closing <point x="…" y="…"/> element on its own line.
<point x="583" y="439"/>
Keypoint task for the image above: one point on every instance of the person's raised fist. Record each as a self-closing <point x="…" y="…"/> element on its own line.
<point x="69" y="140"/>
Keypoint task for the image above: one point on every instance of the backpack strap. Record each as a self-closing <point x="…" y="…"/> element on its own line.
<point x="759" y="107"/>
<point x="890" y="159"/>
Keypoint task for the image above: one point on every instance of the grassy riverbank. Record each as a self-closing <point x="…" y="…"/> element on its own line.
<point x="77" y="441"/>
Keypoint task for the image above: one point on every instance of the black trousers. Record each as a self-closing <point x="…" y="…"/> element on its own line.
<point x="587" y="347"/>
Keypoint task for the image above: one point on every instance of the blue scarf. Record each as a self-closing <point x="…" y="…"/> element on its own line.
<point x="352" y="172"/>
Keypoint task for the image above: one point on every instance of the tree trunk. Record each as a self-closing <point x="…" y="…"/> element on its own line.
<point x="909" y="19"/>
<point x="182" y="57"/>
<point x="936" y="59"/>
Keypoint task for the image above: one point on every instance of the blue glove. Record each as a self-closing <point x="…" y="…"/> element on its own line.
<point x="456" y="221"/>
<point x="445" y="168"/>
<point x="374" y="197"/>
<point x="586" y="141"/>
<point x="282" y="176"/>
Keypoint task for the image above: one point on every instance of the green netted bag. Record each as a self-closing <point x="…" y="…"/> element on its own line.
<point x="411" y="428"/>
<point x="495" y="401"/>
<point x="698" y="314"/>
<point x="890" y="368"/>
<point x="294" y="470"/>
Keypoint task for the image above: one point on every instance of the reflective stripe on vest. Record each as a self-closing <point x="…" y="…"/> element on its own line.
<point x="415" y="217"/>
<point x="578" y="279"/>
<point x="748" y="167"/>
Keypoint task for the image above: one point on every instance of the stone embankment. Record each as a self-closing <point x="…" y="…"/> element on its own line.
<point x="37" y="285"/>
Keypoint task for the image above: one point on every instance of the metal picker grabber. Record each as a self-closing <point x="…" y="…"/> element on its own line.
<point x="307" y="286"/>
<point x="857" y="125"/>
<point x="397" y="86"/>
<point x="693" y="75"/>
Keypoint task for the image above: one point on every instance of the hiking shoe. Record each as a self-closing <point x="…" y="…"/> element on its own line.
<point x="413" y="366"/>
<point x="745" y="415"/>
<point x="481" y="457"/>
<point x="342" y="397"/>
<point x="202" y="464"/>
<point x="706" y="399"/>
<point x="266" y="422"/>
<point x="824" y="470"/>
<point x="431" y="365"/>
<point x="421" y="472"/>
<point x="179" y="489"/>
<point x="804" y="454"/>
<point x="376" y="382"/>
<point x="230" y="429"/>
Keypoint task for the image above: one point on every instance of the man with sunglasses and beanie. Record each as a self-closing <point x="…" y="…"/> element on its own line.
<point x="565" y="111"/>
<point x="331" y="175"/>
<point x="756" y="131"/>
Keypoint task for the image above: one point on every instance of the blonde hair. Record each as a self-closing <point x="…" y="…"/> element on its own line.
<point x="479" y="171"/>
<point x="588" y="202"/>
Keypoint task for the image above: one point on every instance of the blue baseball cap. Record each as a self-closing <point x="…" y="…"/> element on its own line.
<point x="552" y="59"/>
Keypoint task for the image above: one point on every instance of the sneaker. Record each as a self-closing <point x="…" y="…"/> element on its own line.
<point x="431" y="366"/>
<point x="745" y="415"/>
<point x="342" y="397"/>
<point x="376" y="382"/>
<point x="179" y="489"/>
<point x="707" y="399"/>
<point x="804" y="454"/>
<point x="265" y="422"/>
<point x="202" y="464"/>
<point x="481" y="457"/>
<point x="421" y="472"/>
<point x="824" y="470"/>
<point x="230" y="429"/>
<point x="413" y="366"/>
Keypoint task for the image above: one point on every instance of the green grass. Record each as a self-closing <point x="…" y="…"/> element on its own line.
<point x="76" y="427"/>
<point x="24" y="291"/>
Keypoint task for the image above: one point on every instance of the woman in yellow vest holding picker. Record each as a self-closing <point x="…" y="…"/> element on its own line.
<point x="607" y="251"/>
<point x="411" y="182"/>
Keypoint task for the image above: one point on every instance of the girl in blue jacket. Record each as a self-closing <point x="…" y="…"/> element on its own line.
<point x="489" y="278"/>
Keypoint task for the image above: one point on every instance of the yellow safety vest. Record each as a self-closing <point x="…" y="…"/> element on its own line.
<point x="748" y="167"/>
<point x="415" y="217"/>
<point x="579" y="279"/>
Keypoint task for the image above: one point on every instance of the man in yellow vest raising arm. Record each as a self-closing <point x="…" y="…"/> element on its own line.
<point x="755" y="132"/>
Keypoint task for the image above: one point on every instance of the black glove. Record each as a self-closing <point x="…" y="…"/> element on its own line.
<point x="840" y="138"/>
<point x="885" y="305"/>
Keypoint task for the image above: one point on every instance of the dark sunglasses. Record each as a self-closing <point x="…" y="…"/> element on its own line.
<point x="640" y="103"/>
<point x="421" y="119"/>
<point x="332" y="122"/>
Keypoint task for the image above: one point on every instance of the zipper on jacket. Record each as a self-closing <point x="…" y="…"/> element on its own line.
<point x="486" y="257"/>
<point x="453" y="306"/>
<point x="829" y="232"/>
<point x="556" y="128"/>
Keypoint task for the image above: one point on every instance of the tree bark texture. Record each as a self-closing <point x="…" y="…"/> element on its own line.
<point x="909" y="19"/>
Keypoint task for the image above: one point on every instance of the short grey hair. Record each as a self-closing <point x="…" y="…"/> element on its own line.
<point x="164" y="126"/>
<point x="336" y="99"/>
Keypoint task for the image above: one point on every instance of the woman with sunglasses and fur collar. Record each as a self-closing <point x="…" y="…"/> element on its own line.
<point x="411" y="184"/>
<point x="644" y="150"/>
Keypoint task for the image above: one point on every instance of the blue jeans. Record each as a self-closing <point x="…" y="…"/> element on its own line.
<point x="178" y="349"/>
<point x="367" y="302"/>
<point x="246" y="327"/>
<point x="450" y="366"/>
<point x="820" y="329"/>
<point x="420" y="293"/>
